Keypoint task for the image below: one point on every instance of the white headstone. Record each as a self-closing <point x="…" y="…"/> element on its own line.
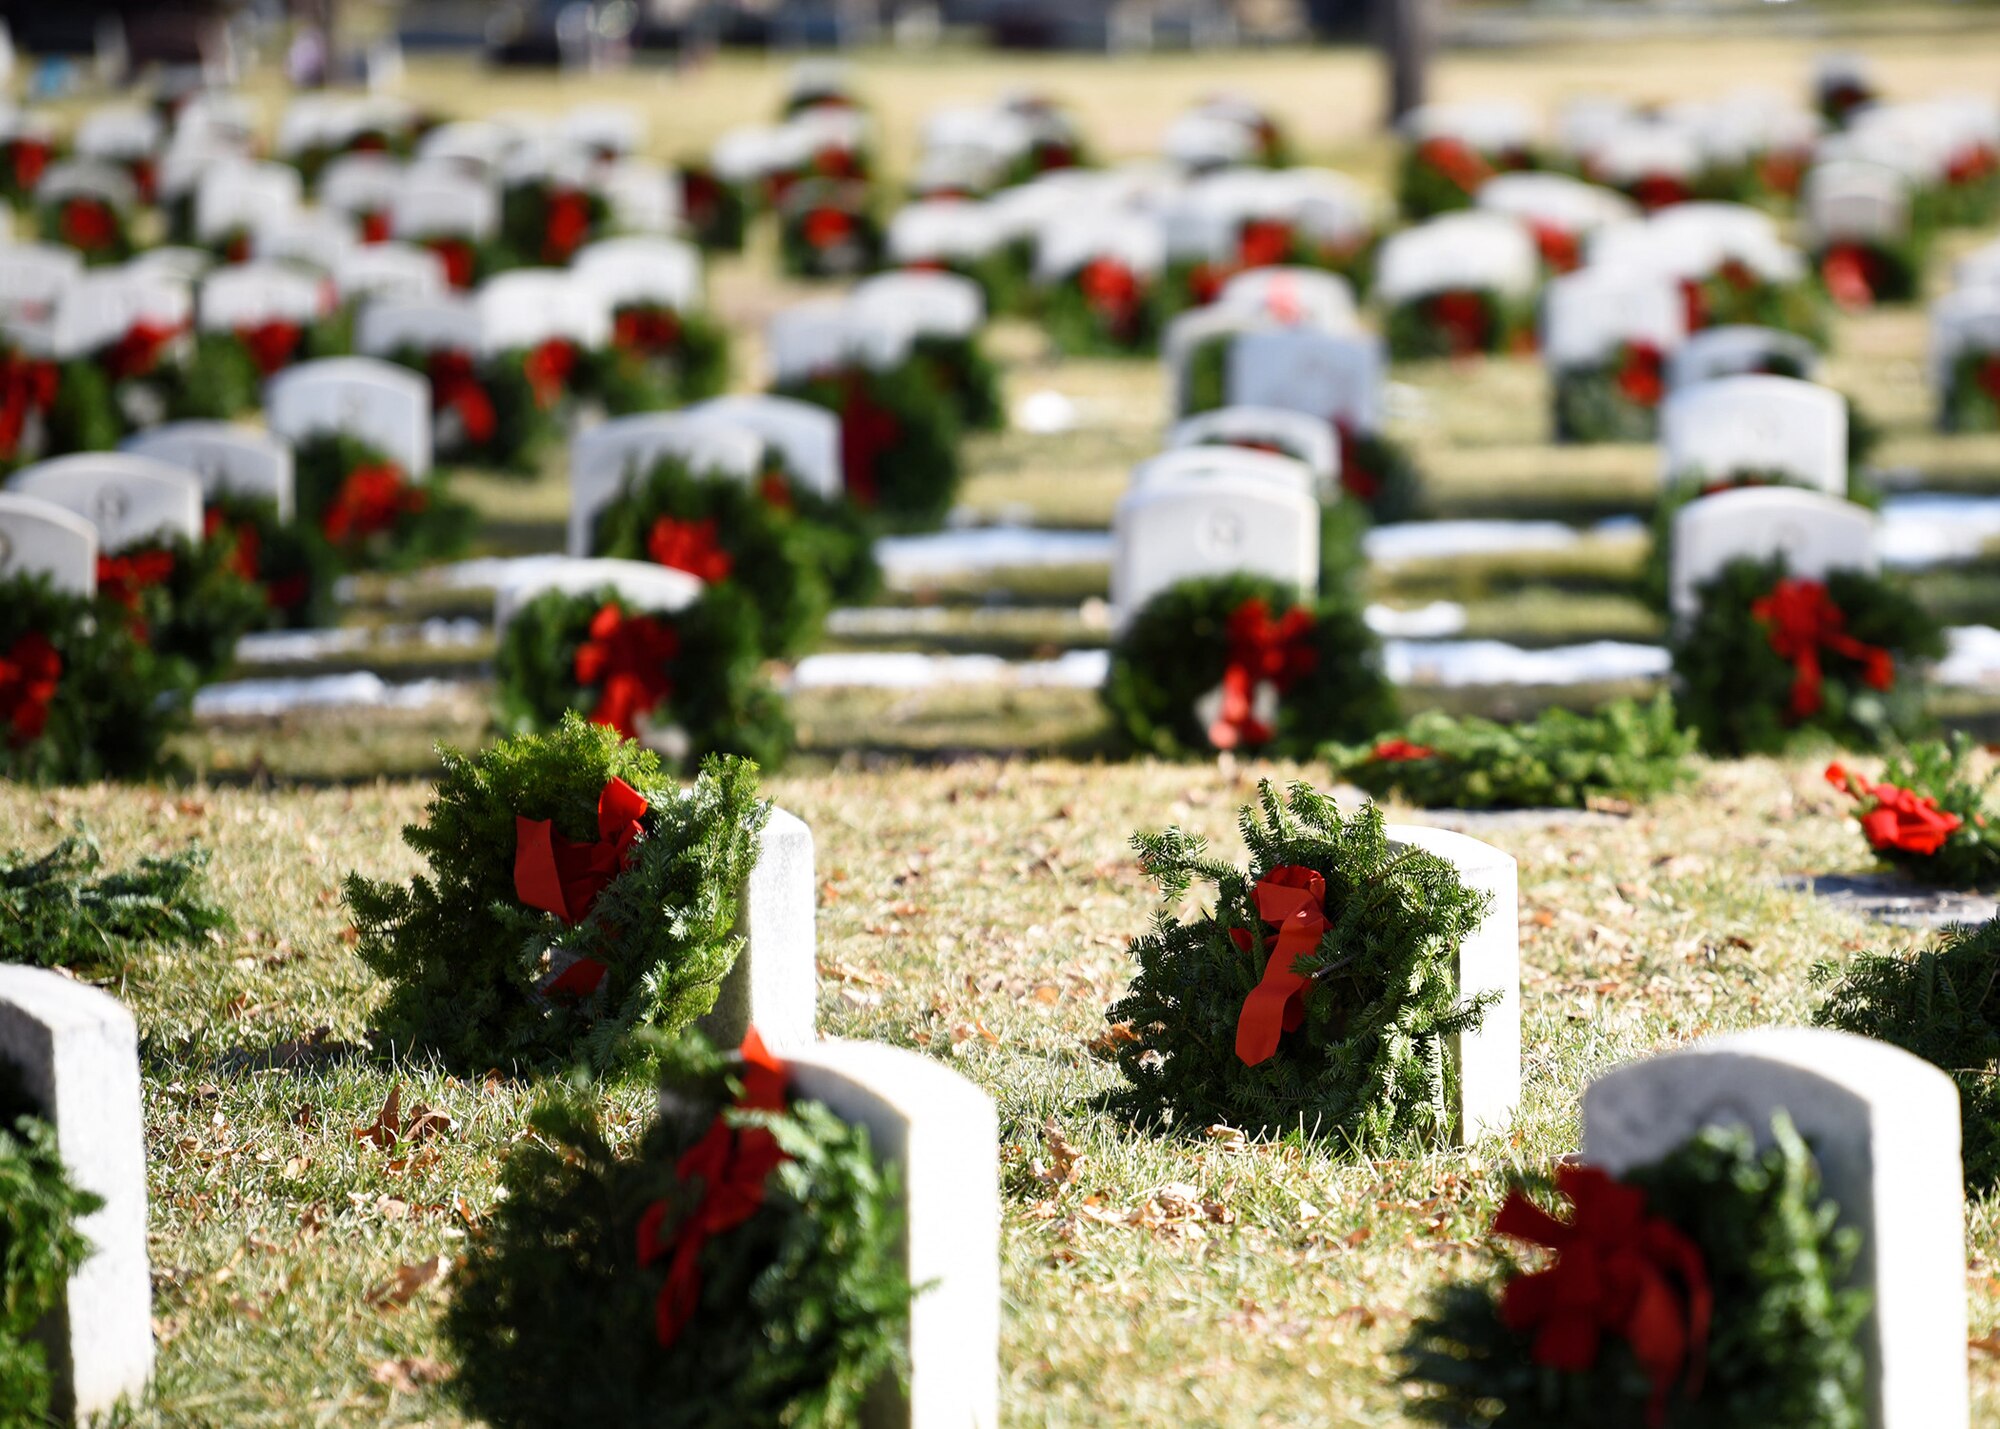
<point x="931" y="304"/>
<point x="77" y="1052"/>
<point x="1815" y="533"/>
<point x="1967" y="320"/>
<point x="530" y="306"/>
<point x="33" y="277"/>
<point x="662" y="272"/>
<point x="389" y="270"/>
<point x="1488" y="1061"/>
<point x="1072" y="239"/>
<point x="1183" y="529"/>
<point x="439" y="203"/>
<point x="1555" y="201"/>
<point x="1852" y="200"/>
<point x="363" y="397"/>
<point x="102" y="305"/>
<point x="40" y="538"/>
<point x="244" y="195"/>
<point x="321" y="237"/>
<point x="1337" y="377"/>
<point x="474" y="144"/>
<point x="603" y="457"/>
<point x="87" y="178"/>
<point x="1884" y="1127"/>
<point x="1294" y="296"/>
<point x="443" y="323"/>
<point x="1756" y="423"/>
<point x="1209" y="463"/>
<point x="807" y="434"/>
<point x="1737" y="351"/>
<point x="643" y="585"/>
<point x="949" y="231"/>
<point x="1588" y="315"/>
<point x="249" y="294"/>
<point x="774" y="985"/>
<point x="1297" y="434"/>
<point x="225" y="457"/>
<point x="642" y="198"/>
<point x="942" y="1133"/>
<point x="1477" y="251"/>
<point x="809" y="338"/>
<point x="129" y="499"/>
<point x="360" y="183"/>
<point x="118" y="131"/>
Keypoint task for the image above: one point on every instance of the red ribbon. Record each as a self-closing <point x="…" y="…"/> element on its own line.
<point x="372" y="499"/>
<point x="1356" y="478"/>
<point x="1456" y="161"/>
<point x="27" y="385"/>
<point x="271" y="344"/>
<point x="825" y="228"/>
<point x="459" y="259"/>
<point x="732" y="1163"/>
<point x="1900" y="818"/>
<point x="1617" y="1271"/>
<point x="1803" y="622"/>
<point x="139" y="350"/>
<point x="689" y="546"/>
<point x="1642" y="373"/>
<point x="29" y="158"/>
<point x="375" y="226"/>
<point x="1558" y="246"/>
<point x="547" y="368"/>
<point x="566" y="227"/>
<point x="245" y="546"/>
<point x="1659" y="190"/>
<point x="455" y="387"/>
<point x="869" y="432"/>
<point x="124" y="579"/>
<point x="1988" y="376"/>
<point x="30" y="671"/>
<point x="1464" y="318"/>
<point x="565" y="878"/>
<point x="87" y="224"/>
<point x="1260" y="648"/>
<point x="1291" y="900"/>
<point x="630" y="659"/>
<point x="1851" y="272"/>
<point x="649" y="330"/>
<point x="1263" y="243"/>
<point x="1400" y="751"/>
<point x="1111" y="291"/>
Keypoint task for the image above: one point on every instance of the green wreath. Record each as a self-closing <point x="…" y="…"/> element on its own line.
<point x="726" y="533"/>
<point x="840" y="535"/>
<point x="1366" y="1065"/>
<point x="41" y="1247"/>
<point x="716" y="211"/>
<point x="969" y="379"/>
<point x="189" y="600"/>
<point x="542" y="225"/>
<point x="289" y="562"/>
<point x="1560" y="759"/>
<point x="1782" y="1348"/>
<point x="660" y="358"/>
<point x="1972" y="394"/>
<point x="369" y="511"/>
<point x="1191" y="639"/>
<point x="1459" y="323"/>
<point x="898" y="438"/>
<point x="483" y="978"/>
<point x="710" y="685"/>
<point x="823" y="233"/>
<point x="1745" y="698"/>
<point x="802" y="1309"/>
<point x="1617" y="400"/>
<point x="62" y="909"/>
<point x="1080" y="327"/>
<point x="1734" y="295"/>
<point x="1928" y="818"/>
<point x="530" y="391"/>
<point x="87" y="700"/>
<point x="94" y="227"/>
<point x="1885" y="271"/>
<point x="1438" y="176"/>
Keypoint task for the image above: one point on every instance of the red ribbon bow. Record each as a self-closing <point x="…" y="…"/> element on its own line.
<point x="689" y="546"/>
<point x="1803" y="622"/>
<point x="1618" y="1271"/>
<point x="1852" y="272"/>
<point x="1400" y="751"/>
<point x="565" y="878"/>
<point x="123" y="580"/>
<point x="271" y="344"/>
<point x="732" y="1163"/>
<point x="1260" y="649"/>
<point x="1111" y="290"/>
<point x="825" y="228"/>
<point x="371" y="500"/>
<point x="646" y="329"/>
<point x="460" y="262"/>
<point x="1290" y="900"/>
<point x="455" y="387"/>
<point x="1642" y="373"/>
<point x="547" y="368"/>
<point x="138" y="351"/>
<point x="1462" y="317"/>
<point x="27" y="385"/>
<point x="1457" y="161"/>
<point x="30" y="671"/>
<point x="87" y="224"/>
<point x="1558" y="246"/>
<point x="1263" y="243"/>
<point x="30" y="157"/>
<point x="1658" y="191"/>
<point x="869" y="432"/>
<point x="566" y="227"/>
<point x="375" y="226"/>
<point x="630" y="659"/>
<point x="245" y="545"/>
<point x="1901" y="818"/>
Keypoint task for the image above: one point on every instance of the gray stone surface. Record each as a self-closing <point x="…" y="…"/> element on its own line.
<point x="129" y="499"/>
<point x="1886" y="898"/>
<point x="775" y="983"/>
<point x="38" y="537"/>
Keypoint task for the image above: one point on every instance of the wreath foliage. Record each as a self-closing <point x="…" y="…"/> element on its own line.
<point x="1928" y="817"/>
<point x="1941" y="1003"/>
<point x="113" y="701"/>
<point x="1176" y="650"/>
<point x="1782" y="1349"/>
<point x="1685" y="487"/>
<point x="1737" y="691"/>
<point x="1559" y="759"/>
<point x="1459" y="323"/>
<point x="1080" y="327"/>
<point x="717" y="696"/>
<point x="200" y="607"/>
<point x="1734" y="295"/>
<point x="62" y="908"/>
<point x="716" y="211"/>
<point x="290" y="562"/>
<point x="899" y="441"/>
<point x="40" y="1249"/>
<point x="1617" y="400"/>
<point x="1971" y="400"/>
<point x="827" y="231"/>
<point x="421" y="521"/>
<point x="839" y="533"/>
<point x="960" y="368"/>
<point x="803" y="1308"/>
<point x="1368" y="1067"/>
<point x="736" y="538"/>
<point x="696" y="365"/>
<point x="464" y="955"/>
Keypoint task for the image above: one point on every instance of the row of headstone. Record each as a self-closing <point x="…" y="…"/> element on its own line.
<point x="875" y="326"/>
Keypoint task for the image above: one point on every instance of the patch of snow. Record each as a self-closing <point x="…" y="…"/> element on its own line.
<point x="1494" y="662"/>
<point x="1435" y="621"/>
<point x="910" y="670"/>
<point x="989" y="548"/>
<point x="1045" y="413"/>
<point x="1972" y="656"/>
<point x="270" y="647"/>
<point x="358" y="690"/>
<point x="1931" y="528"/>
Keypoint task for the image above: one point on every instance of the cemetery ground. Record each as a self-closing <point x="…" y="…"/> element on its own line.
<point x="977" y="889"/>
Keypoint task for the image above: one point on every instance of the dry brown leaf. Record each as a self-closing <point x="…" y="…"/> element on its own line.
<point x="1107" y="1042"/>
<point x="1065" y="1161"/>
<point x="1227" y="1137"/>
<point x="410" y="1374"/>
<point x="402" y="1286"/>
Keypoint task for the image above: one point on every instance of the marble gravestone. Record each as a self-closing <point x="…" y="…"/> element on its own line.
<point x="389" y="270"/>
<point x="1474" y="250"/>
<point x="530" y="306"/>
<point x="1294" y="296"/>
<point x="1176" y="530"/>
<point x="1737" y="350"/>
<point x="364" y="397"/>
<point x="1852" y="200"/>
<point x="76" y="1052"/>
<point x="1206" y="461"/>
<point x="32" y="278"/>
<point x="243" y="195"/>
<point x="246" y="295"/>
<point x="1296" y="434"/>
<point x="1884" y="1127"/>
<point x="805" y="433"/>
<point x="1588" y="315"/>
<point x="1756" y="424"/>
<point x="129" y="499"/>
<point x="226" y="457"/>
<point x="602" y="458"/>
<point x="1815" y="533"/>
<point x="443" y="322"/>
<point x="932" y="304"/>
<point x="40" y="538"/>
<point x="1338" y="377"/>
<point x="942" y="1134"/>
<point x="665" y="272"/>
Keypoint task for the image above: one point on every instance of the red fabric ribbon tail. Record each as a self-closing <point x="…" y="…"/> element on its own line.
<point x="537" y="882"/>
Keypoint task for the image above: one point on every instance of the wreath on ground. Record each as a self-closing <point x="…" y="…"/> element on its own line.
<point x="659" y="358"/>
<point x="899" y="454"/>
<point x="1242" y="662"/>
<point x="1684" y="488"/>
<point x="1319" y="994"/>
<point x="28" y="389"/>
<point x="1928" y="818"/>
<point x="575" y="894"/>
<point x="690" y="683"/>
<point x="725" y="533"/>
<point x="40" y="1249"/>
<point x="527" y="391"/>
<point x="1736" y="295"/>
<point x="225" y="376"/>
<point x="291" y="564"/>
<point x="1941" y="1003"/>
<point x="122" y="386"/>
<point x="95" y="227"/>
<point x="369" y="511"/>
<point x="827" y="230"/>
<point x="1771" y="657"/>
<point x="1860" y="275"/>
<point x="1103" y="309"/>
<point x="1625" y="752"/>
<point x="1460" y="323"/>
<point x="186" y="599"/>
<point x="1617" y="400"/>
<point x="767" y="1284"/>
<point x="81" y="698"/>
<point x="63" y="909"/>
<point x="1736" y="1253"/>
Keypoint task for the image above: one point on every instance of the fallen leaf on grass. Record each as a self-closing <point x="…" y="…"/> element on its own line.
<point x="410" y="1374"/>
<point x="1227" y="1137"/>
<point x="1065" y="1161"/>
<point x="389" y="1127"/>
<point x="402" y="1286"/>
<point x="1107" y="1042"/>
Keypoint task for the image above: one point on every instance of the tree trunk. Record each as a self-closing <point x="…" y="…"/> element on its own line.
<point x="1406" y="27"/>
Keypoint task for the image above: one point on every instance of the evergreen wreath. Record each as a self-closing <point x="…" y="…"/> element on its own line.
<point x="716" y="212"/>
<point x="1202" y="665"/>
<point x="221" y="380"/>
<point x="95" y="227"/>
<point x="635" y="884"/>
<point x="725" y="533"/>
<point x="121" y="386"/>
<point x="1858" y="275"/>
<point x="660" y="358"/>
<point x="1380" y="473"/>
<point x="798" y="1310"/>
<point x="40" y="1249"/>
<point x="1736" y="295"/>
<point x="828" y="230"/>
<point x="840" y="535"/>
<point x="1766" y="661"/>
<point x="1560" y="759"/>
<point x="1972" y="394"/>
<point x="23" y="159"/>
<point x="1681" y="489"/>
<point x="189" y="600"/>
<point x="1369" y="996"/>
<point x="290" y="563"/>
<point x="969" y="379"/>
<point x="1928" y="818"/>
<point x="1617" y="400"/>
<point x="1441" y="174"/>
<point x="62" y="909"/>
<point x="1966" y="198"/>
<point x="1716" y="1225"/>
<point x="543" y="223"/>
<point x="528" y="391"/>
<point x="1941" y="1003"/>
<point x="1462" y="322"/>
<point x="28" y="389"/>
<point x="81" y="698"/>
<point x="697" y="674"/>
<point x="899" y="455"/>
<point x="369" y="511"/>
<point x="1103" y="309"/>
